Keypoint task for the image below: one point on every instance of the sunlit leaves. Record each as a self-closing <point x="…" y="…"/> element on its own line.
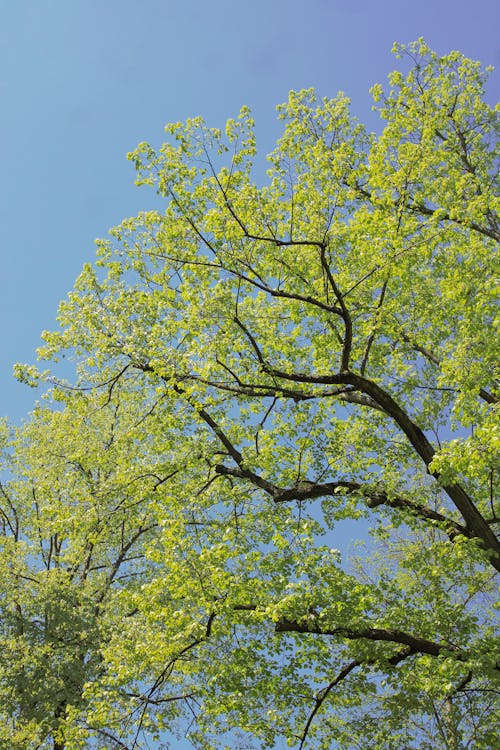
<point x="261" y="366"/>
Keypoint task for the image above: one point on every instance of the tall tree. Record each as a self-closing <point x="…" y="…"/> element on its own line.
<point x="315" y="350"/>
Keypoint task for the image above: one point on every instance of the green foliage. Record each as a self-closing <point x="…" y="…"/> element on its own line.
<point x="259" y="366"/>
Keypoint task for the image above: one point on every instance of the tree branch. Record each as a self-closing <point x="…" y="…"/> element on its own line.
<point x="346" y="316"/>
<point x="473" y="518"/>
<point x="471" y="515"/>
<point x="431" y="357"/>
<point x="388" y="635"/>
<point x="313" y="490"/>
<point x="421" y="208"/>
<point x="322" y="695"/>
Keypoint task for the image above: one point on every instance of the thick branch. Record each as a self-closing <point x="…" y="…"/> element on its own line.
<point x="346" y="316"/>
<point x="451" y="527"/>
<point x="416" y="644"/>
<point x="235" y="453"/>
<point x="473" y="518"/>
<point x="313" y="490"/>
<point x="475" y="523"/>
<point x="256" y="390"/>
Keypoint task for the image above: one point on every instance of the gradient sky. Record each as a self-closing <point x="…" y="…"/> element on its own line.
<point x="83" y="81"/>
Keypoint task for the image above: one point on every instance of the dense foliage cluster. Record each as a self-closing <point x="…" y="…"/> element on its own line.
<point x="263" y="373"/>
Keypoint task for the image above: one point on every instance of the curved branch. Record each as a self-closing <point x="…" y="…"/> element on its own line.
<point x="474" y="520"/>
<point x="416" y="644"/>
<point x="471" y="515"/>
<point x="431" y="357"/>
<point x="323" y="694"/>
<point x="287" y="295"/>
<point x="314" y="490"/>
<point x="421" y="208"/>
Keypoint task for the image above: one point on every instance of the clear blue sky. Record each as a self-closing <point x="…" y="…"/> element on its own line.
<point x="83" y="81"/>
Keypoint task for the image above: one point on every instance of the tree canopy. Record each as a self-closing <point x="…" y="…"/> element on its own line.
<point x="264" y="368"/>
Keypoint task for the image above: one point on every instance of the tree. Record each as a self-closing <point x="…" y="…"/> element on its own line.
<point x="290" y="357"/>
<point x="74" y="515"/>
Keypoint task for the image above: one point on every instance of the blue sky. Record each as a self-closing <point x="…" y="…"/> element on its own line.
<point x="83" y="81"/>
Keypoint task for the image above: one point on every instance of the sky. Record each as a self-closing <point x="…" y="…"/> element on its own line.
<point x="83" y="81"/>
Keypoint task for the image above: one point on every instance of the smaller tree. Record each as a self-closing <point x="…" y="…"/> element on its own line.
<point x="75" y="514"/>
